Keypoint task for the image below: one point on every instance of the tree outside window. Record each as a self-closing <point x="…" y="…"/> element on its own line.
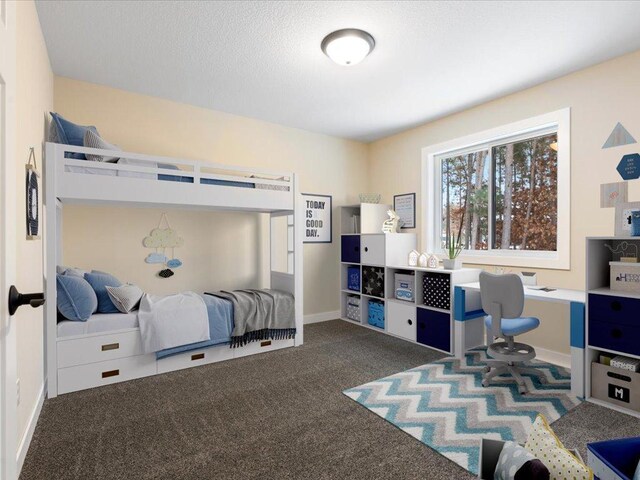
<point x="502" y="196"/>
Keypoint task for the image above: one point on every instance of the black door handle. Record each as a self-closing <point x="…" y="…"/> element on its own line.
<point x="17" y="299"/>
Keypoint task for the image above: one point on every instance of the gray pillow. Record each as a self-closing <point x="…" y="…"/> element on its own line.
<point x="74" y="272"/>
<point x="125" y="297"/>
<point x="93" y="140"/>
<point x="516" y="462"/>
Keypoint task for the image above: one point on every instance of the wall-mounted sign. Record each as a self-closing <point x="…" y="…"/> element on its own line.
<point x="317" y="218"/>
<point x="405" y="207"/>
<point x="31" y="197"/>
<point x="629" y="166"/>
<point x="619" y="136"/>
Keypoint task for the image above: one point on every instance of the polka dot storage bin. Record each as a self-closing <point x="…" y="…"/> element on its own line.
<point x="436" y="290"/>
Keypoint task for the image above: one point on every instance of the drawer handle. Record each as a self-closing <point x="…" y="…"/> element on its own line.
<point x="111" y="373"/>
<point x="266" y="343"/>
<point x="616" y="333"/>
<point x="197" y="356"/>
<point x="410" y="322"/>
<point x="366" y="249"/>
<point x="110" y="346"/>
<point x="619" y="376"/>
<point x="616" y="306"/>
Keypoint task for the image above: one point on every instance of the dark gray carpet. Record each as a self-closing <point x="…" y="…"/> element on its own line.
<point x="276" y="415"/>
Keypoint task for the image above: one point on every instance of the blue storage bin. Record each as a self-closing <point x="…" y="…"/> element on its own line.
<point x="376" y="313"/>
<point x="353" y="278"/>
<point x="614" y="459"/>
<point x="635" y="223"/>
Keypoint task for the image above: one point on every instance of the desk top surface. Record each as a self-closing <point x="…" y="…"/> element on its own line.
<point x="557" y="295"/>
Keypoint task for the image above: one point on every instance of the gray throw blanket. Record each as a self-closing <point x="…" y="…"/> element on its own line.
<point x="260" y="315"/>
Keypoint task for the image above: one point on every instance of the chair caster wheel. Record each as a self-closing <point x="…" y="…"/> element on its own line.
<point x="542" y="380"/>
<point x="522" y="390"/>
<point x="485" y="383"/>
<point x="486" y="369"/>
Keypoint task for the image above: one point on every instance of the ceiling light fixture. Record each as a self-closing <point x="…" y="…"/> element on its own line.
<point x="348" y="46"/>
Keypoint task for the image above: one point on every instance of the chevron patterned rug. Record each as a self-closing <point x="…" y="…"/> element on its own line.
<point x="444" y="405"/>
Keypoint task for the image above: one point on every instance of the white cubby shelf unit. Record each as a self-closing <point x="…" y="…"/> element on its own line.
<point x="612" y="328"/>
<point x="426" y="319"/>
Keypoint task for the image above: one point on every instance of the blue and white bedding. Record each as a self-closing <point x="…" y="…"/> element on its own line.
<point x="168" y="321"/>
<point x="220" y="312"/>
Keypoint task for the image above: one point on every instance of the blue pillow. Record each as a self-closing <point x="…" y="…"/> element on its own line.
<point x="99" y="282"/>
<point x="70" y="133"/>
<point x="76" y="299"/>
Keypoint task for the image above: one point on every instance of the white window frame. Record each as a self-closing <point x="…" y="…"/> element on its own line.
<point x="432" y="211"/>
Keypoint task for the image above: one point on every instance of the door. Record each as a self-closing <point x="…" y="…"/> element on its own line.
<point x="8" y="198"/>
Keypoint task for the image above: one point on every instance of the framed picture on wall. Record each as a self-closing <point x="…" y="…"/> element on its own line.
<point x="317" y="218"/>
<point x="405" y="207"/>
<point x="623" y="218"/>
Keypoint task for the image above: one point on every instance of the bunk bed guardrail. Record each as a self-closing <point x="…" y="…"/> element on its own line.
<point x="274" y="190"/>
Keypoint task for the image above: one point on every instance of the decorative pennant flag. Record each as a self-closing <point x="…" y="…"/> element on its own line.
<point x="619" y="136"/>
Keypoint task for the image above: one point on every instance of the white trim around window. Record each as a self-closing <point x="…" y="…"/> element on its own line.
<point x="560" y="259"/>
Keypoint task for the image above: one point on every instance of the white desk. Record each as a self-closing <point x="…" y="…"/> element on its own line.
<point x="469" y="323"/>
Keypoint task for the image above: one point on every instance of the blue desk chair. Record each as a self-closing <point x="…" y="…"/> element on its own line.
<point x="502" y="298"/>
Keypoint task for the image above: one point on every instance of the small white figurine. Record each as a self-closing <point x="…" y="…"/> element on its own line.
<point x="391" y="225"/>
<point x="433" y="261"/>
<point x="413" y="258"/>
<point x="422" y="260"/>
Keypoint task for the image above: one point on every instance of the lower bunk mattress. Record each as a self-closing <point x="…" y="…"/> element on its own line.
<point x="219" y="311"/>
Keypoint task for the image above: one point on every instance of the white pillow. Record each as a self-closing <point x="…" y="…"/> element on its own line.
<point x="125" y="297"/>
<point x="93" y="140"/>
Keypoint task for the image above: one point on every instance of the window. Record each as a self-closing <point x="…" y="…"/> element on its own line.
<point x="504" y="194"/>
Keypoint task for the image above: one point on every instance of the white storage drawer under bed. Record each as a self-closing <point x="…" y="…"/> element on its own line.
<point x="194" y="358"/>
<point x="91" y="375"/>
<point x="261" y="346"/>
<point x="98" y="348"/>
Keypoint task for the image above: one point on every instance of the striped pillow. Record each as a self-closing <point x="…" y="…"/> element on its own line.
<point x="93" y="140"/>
<point x="125" y="297"/>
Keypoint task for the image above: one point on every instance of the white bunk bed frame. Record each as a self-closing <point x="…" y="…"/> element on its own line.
<point x="90" y="360"/>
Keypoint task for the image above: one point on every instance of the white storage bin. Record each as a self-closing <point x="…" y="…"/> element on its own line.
<point x="625" y="276"/>
<point x="405" y="287"/>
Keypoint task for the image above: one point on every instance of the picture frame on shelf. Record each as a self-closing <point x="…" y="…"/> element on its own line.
<point x="623" y="218"/>
<point x="405" y="207"/>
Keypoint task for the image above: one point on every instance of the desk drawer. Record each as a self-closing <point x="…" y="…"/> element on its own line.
<point x="621" y="338"/>
<point x="98" y="348"/>
<point x="617" y="310"/>
<point x="195" y="357"/>
<point x="97" y="374"/>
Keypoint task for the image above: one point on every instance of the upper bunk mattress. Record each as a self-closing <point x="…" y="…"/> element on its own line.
<point x="98" y="323"/>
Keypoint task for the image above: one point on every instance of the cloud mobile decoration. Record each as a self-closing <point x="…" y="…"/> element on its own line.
<point x="160" y="239"/>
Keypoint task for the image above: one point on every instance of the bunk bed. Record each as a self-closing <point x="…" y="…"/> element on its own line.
<point x="108" y="348"/>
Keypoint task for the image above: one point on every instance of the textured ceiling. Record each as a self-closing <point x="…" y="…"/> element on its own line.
<point x="263" y="59"/>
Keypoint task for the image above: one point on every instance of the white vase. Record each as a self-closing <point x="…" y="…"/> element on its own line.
<point x="451" y="263"/>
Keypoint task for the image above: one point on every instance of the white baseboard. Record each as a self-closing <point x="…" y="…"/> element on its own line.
<point x="555" y="358"/>
<point x="23" y="448"/>
<point x="321" y="317"/>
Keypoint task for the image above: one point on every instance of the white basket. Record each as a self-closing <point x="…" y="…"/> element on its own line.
<point x="625" y="276"/>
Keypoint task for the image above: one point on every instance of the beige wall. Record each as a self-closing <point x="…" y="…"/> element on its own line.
<point x="599" y="97"/>
<point x="139" y="123"/>
<point x="34" y="98"/>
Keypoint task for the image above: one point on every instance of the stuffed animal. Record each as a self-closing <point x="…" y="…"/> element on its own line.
<point x="391" y="224"/>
